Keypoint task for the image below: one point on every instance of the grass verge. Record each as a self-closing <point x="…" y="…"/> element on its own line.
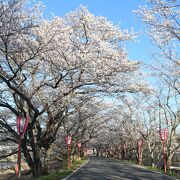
<point x="62" y="173"/>
<point x="169" y="172"/>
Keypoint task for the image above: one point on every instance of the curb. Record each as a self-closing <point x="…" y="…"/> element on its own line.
<point x="75" y="171"/>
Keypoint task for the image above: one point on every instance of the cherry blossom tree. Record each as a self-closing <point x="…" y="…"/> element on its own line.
<point x="44" y="64"/>
<point x="162" y="20"/>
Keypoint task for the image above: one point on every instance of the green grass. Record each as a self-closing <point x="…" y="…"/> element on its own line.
<point x="62" y="173"/>
<point x="172" y="173"/>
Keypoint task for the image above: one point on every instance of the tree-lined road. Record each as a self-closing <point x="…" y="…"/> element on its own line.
<point x="104" y="169"/>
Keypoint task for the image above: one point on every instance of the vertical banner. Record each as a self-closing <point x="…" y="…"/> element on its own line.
<point x="22" y="125"/>
<point x="26" y="125"/>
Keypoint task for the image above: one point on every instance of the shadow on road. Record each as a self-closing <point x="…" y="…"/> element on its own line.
<point x="102" y="169"/>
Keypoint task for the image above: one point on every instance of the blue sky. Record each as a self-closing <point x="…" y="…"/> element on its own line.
<point x="117" y="11"/>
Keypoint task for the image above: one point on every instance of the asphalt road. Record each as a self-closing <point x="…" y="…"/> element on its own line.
<point x="104" y="169"/>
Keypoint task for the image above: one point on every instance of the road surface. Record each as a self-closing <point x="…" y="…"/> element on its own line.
<point x="106" y="169"/>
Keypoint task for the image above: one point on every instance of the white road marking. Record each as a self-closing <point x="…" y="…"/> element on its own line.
<point x="75" y="171"/>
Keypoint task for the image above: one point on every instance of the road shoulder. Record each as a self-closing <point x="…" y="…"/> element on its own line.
<point x="66" y="178"/>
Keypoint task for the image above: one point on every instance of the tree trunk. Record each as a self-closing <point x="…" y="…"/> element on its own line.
<point x="152" y="159"/>
<point x="27" y="156"/>
<point x="35" y="163"/>
<point x="37" y="170"/>
<point x="46" y="160"/>
<point x="151" y="151"/>
<point x="169" y="160"/>
<point x="123" y="154"/>
<point x="130" y="154"/>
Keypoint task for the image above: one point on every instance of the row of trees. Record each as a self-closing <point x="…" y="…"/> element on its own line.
<point x="59" y="71"/>
<point x="51" y="69"/>
<point x="140" y="119"/>
<point x="143" y="117"/>
<point x="162" y="20"/>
